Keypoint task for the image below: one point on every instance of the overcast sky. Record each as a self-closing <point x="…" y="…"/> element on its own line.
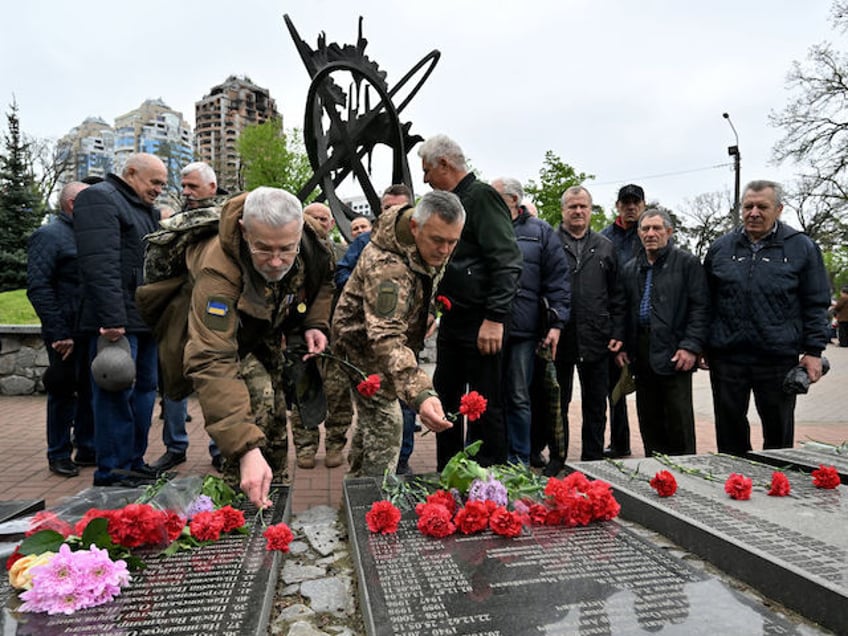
<point x="626" y="91"/>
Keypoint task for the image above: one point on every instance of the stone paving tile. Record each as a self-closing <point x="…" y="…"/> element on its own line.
<point x="822" y="415"/>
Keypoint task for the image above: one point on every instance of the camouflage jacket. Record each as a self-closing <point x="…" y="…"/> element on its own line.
<point x="381" y="317"/>
<point x="234" y="311"/>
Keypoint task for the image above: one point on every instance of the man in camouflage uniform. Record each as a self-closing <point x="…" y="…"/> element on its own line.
<point x="382" y="317"/>
<point x="336" y="387"/>
<point x="264" y="280"/>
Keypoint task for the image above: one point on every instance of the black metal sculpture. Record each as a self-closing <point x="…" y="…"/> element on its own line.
<point x="355" y="127"/>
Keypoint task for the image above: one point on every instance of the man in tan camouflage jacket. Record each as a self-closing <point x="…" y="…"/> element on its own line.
<point x="381" y="320"/>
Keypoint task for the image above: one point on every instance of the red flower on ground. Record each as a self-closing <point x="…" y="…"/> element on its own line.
<point x="779" y="485"/>
<point x="369" y="386"/>
<point x="13" y="557"/>
<point x="206" y="526"/>
<point x="664" y="483"/>
<point x="92" y="513"/>
<point x="136" y="525"/>
<point x="473" y="517"/>
<point x="46" y="520"/>
<point x="505" y="523"/>
<point x="825" y="477"/>
<point x="472" y="405"/>
<point x="233" y="519"/>
<point x="538" y="514"/>
<point x="444" y="498"/>
<point x="174" y="525"/>
<point x="383" y="517"/>
<point x="278" y="537"/>
<point x="434" y="520"/>
<point x="604" y="505"/>
<point x="738" y="486"/>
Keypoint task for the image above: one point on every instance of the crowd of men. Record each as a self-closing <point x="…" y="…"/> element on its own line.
<point x="268" y="316"/>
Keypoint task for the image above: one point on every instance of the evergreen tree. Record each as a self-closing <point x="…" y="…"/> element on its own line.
<point x="21" y="206"/>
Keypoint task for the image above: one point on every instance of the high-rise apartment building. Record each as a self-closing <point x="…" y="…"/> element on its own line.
<point x="87" y="150"/>
<point x="219" y="119"/>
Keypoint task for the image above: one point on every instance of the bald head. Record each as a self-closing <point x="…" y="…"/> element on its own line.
<point x="322" y="214"/>
<point x="68" y="195"/>
<point x="146" y="174"/>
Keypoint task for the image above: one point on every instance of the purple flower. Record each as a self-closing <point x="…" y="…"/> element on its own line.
<point x="489" y="490"/>
<point x="203" y="503"/>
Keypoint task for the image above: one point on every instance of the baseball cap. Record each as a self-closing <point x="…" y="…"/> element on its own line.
<point x="631" y="191"/>
<point x="113" y="368"/>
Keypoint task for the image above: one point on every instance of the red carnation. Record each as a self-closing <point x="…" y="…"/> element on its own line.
<point x="443" y="303"/>
<point x="369" y="386"/>
<point x="473" y="517"/>
<point x="46" y="520"/>
<point x="505" y="523"/>
<point x="664" y="483"/>
<point x="472" y="405"/>
<point x="233" y="519"/>
<point x="383" y="517"/>
<point x="206" y="526"/>
<point x="278" y="537"/>
<point x="174" y="525"/>
<point x="13" y="557"/>
<point x="779" y="485"/>
<point x="135" y="525"/>
<point x="738" y="486"/>
<point x="825" y="477"/>
<point x="444" y="498"/>
<point x="434" y="520"/>
<point x="90" y="514"/>
<point x="538" y="514"/>
<point x="604" y="505"/>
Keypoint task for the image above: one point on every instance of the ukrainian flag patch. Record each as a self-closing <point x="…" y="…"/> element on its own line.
<point x="217" y="308"/>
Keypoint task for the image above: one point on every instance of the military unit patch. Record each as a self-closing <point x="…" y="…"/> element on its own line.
<point x="217" y="315"/>
<point x="387" y="299"/>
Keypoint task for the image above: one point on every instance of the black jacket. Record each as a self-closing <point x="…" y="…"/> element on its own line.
<point x="626" y="242"/>
<point x="53" y="282"/>
<point x="110" y="222"/>
<point x="769" y="305"/>
<point x="680" y="311"/>
<point x="544" y="274"/>
<point x="597" y="300"/>
<point x="481" y="277"/>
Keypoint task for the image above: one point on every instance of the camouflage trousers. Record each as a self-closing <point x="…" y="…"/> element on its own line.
<point x="339" y="413"/>
<point x="377" y="437"/>
<point x="268" y="403"/>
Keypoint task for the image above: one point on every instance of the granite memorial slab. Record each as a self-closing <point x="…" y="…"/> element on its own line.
<point x="808" y="457"/>
<point x="222" y="589"/>
<point x="599" y="579"/>
<point x="793" y="549"/>
<point x="10" y="511"/>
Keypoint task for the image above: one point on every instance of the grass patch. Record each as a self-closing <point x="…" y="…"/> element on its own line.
<point x="16" y="310"/>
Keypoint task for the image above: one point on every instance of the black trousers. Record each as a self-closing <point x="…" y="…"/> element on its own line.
<point x="732" y="385"/>
<point x="459" y="364"/>
<point x="619" y="421"/>
<point x="594" y="389"/>
<point x="842" y="332"/>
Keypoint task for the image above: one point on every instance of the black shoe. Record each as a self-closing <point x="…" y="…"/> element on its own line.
<point x="124" y="481"/>
<point x="85" y="459"/>
<point x="64" y="467"/>
<point x="537" y="461"/>
<point x="612" y="453"/>
<point x="553" y="468"/>
<point x="403" y="468"/>
<point x="169" y="460"/>
<point x="416" y="428"/>
<point x="218" y="463"/>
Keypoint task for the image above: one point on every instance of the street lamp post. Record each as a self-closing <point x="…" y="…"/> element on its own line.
<point x="733" y="151"/>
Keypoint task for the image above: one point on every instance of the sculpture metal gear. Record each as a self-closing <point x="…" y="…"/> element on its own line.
<point x="353" y="126"/>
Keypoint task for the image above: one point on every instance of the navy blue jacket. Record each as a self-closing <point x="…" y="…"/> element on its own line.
<point x="53" y="282"/>
<point x="680" y="310"/>
<point x="770" y="305"/>
<point x="626" y="242"/>
<point x="344" y="268"/>
<point x="544" y="274"/>
<point x="111" y="222"/>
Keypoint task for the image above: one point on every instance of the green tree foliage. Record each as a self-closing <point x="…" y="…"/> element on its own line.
<point x="555" y="177"/>
<point x="271" y="157"/>
<point x="21" y="204"/>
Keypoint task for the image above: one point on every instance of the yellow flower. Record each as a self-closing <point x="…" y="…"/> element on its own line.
<point x="19" y="574"/>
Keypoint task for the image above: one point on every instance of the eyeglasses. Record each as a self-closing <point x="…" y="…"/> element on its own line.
<point x="282" y="253"/>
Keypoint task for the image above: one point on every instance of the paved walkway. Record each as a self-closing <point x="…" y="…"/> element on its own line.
<point x="821" y="415"/>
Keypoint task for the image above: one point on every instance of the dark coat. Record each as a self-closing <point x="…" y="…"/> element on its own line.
<point x="481" y="277"/>
<point x="770" y="305"/>
<point x="680" y="311"/>
<point x="544" y="274"/>
<point x="597" y="300"/>
<point x="53" y="282"/>
<point x="626" y="242"/>
<point x="111" y="222"/>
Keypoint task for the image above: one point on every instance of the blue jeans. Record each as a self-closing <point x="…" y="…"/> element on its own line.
<point x="71" y="411"/>
<point x="408" y="442"/>
<point x="174" y="434"/>
<point x="519" y="360"/>
<point x="122" y="418"/>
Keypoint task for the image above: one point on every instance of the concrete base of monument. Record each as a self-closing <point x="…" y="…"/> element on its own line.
<point x="605" y="578"/>
<point x="791" y="549"/>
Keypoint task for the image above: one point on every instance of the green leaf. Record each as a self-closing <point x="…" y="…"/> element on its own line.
<point x="95" y="532"/>
<point x="42" y="541"/>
